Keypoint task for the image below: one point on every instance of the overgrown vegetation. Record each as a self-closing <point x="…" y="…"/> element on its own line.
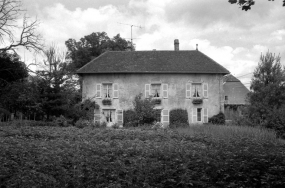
<point x="178" y="118"/>
<point x="199" y="156"/>
<point x="218" y="119"/>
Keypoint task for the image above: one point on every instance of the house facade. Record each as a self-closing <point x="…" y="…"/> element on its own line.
<point x="235" y="94"/>
<point x="175" y="79"/>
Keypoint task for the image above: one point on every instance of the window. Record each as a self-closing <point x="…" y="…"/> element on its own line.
<point x="197" y="90"/>
<point x="109" y="115"/>
<point x="155" y="90"/>
<point x="226" y="98"/>
<point x="199" y="114"/>
<point x="107" y="90"/>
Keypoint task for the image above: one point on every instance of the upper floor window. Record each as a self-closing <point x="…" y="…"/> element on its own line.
<point x="155" y="90"/>
<point x="107" y="90"/>
<point x="197" y="90"/>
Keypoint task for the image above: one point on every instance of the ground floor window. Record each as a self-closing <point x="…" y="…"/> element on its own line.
<point x="109" y="115"/>
<point x="199" y="114"/>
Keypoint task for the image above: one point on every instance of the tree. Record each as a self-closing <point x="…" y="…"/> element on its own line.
<point x="11" y="69"/>
<point x="10" y="12"/>
<point x="246" y="4"/>
<point x="267" y="97"/>
<point x="91" y="46"/>
<point x="58" y="87"/>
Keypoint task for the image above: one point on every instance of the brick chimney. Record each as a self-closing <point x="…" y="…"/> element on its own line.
<point x="176" y="45"/>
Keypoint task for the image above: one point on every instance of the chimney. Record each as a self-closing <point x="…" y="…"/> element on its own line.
<point x="197" y="47"/>
<point x="176" y="45"/>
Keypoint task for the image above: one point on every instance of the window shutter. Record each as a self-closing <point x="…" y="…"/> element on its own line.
<point x="98" y="90"/>
<point x="188" y="90"/>
<point x="120" y="117"/>
<point x="147" y="90"/>
<point x="97" y="115"/>
<point x="165" y="117"/>
<point x="165" y="90"/>
<point x="205" y="110"/>
<point x="194" y="115"/>
<point x="115" y="90"/>
<point x="205" y="90"/>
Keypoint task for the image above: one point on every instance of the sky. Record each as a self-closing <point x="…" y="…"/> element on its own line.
<point x="232" y="37"/>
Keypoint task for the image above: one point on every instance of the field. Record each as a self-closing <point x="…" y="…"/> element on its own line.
<point x="199" y="156"/>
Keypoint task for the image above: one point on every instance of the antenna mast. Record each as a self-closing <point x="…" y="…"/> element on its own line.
<point x="131" y="31"/>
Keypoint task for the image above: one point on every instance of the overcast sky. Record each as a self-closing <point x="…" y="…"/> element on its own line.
<point x="232" y="37"/>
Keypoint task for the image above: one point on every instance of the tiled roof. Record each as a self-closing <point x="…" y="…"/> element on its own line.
<point x="230" y="78"/>
<point x="153" y="62"/>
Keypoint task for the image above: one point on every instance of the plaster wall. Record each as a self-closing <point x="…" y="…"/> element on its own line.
<point x="131" y="85"/>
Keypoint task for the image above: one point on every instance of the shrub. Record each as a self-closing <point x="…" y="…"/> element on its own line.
<point x="144" y="110"/>
<point x="129" y="118"/>
<point x="82" y="123"/>
<point x="218" y="119"/>
<point x="61" y="121"/>
<point x="178" y="118"/>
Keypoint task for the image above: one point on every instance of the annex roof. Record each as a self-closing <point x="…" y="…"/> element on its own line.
<point x="192" y="61"/>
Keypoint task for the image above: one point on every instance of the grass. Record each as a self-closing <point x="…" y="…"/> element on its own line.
<point x="199" y="156"/>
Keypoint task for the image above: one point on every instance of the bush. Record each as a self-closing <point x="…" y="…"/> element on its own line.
<point x="61" y="121"/>
<point x="178" y="118"/>
<point x="82" y="123"/>
<point x="129" y="118"/>
<point x="144" y="110"/>
<point x="218" y="119"/>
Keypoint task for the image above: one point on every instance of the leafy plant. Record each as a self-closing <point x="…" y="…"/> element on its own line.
<point x="107" y="102"/>
<point x="197" y="101"/>
<point x="178" y="118"/>
<point x="144" y="110"/>
<point x="218" y="119"/>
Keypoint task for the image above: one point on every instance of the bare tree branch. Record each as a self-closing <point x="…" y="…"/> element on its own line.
<point x="10" y="12"/>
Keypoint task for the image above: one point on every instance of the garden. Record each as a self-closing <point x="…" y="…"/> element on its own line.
<point x="196" y="156"/>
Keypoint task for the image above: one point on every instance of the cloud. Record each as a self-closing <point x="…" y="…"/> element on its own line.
<point x="232" y="37"/>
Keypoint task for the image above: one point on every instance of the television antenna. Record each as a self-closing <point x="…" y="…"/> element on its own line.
<point x="131" y="31"/>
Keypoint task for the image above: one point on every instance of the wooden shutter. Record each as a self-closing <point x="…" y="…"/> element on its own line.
<point x="98" y="90"/>
<point x="205" y="115"/>
<point x="165" y="91"/>
<point x="120" y="116"/>
<point x="147" y="90"/>
<point x="188" y="90"/>
<point x="115" y="90"/>
<point x="97" y="115"/>
<point x="165" y="117"/>
<point x="205" y="90"/>
<point x="194" y="115"/>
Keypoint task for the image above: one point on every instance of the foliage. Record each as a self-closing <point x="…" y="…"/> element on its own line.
<point x="267" y="98"/>
<point x="59" y="88"/>
<point x="157" y="101"/>
<point x="199" y="156"/>
<point x="144" y="110"/>
<point x="91" y="46"/>
<point x="10" y="14"/>
<point x="82" y="123"/>
<point x="129" y="118"/>
<point x="11" y="69"/>
<point x="178" y="118"/>
<point x="197" y="101"/>
<point x="218" y="119"/>
<point x="246" y="4"/>
<point x="107" y="102"/>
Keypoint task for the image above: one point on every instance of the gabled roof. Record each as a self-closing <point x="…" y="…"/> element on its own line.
<point x="153" y="62"/>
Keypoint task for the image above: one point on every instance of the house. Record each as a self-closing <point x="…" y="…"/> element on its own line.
<point x="235" y="96"/>
<point x="179" y="79"/>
